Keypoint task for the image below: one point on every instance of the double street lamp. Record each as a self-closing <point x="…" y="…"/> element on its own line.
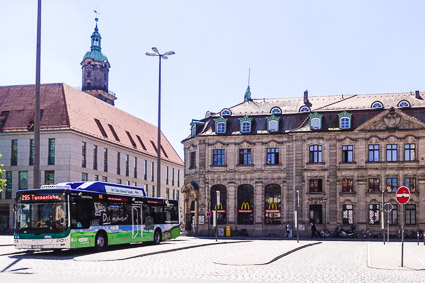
<point x="160" y="56"/>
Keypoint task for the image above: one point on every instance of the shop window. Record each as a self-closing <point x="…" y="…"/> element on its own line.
<point x="374" y="214"/>
<point x="246" y="204"/>
<point x="222" y="206"/>
<point x="347" y="214"/>
<point x="272" y="205"/>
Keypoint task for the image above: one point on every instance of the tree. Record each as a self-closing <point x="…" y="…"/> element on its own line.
<point x="2" y="181"/>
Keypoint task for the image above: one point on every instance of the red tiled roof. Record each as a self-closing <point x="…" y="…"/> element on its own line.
<point x="64" y="107"/>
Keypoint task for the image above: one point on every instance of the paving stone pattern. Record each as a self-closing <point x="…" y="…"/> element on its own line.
<point x="332" y="261"/>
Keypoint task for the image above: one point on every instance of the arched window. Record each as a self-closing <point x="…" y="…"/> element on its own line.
<point x="221" y="207"/>
<point x="276" y="110"/>
<point x="304" y="109"/>
<point x="272" y="204"/>
<point x="245" y="204"/>
<point x="403" y="104"/>
<point x="377" y="105"/>
<point x="226" y="112"/>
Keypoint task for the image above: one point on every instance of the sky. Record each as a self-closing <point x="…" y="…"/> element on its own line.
<point x="328" y="47"/>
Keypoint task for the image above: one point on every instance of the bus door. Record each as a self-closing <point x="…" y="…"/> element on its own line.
<point x="136" y="222"/>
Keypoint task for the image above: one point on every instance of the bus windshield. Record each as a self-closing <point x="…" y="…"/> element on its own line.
<point x="41" y="217"/>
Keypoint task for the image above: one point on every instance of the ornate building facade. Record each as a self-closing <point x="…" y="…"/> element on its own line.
<point x="334" y="159"/>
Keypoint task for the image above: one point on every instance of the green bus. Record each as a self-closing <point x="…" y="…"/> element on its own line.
<point x="91" y="214"/>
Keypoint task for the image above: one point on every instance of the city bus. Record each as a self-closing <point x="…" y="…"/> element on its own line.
<point x="91" y="214"/>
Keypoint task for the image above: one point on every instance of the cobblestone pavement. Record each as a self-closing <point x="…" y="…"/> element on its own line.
<point x="331" y="261"/>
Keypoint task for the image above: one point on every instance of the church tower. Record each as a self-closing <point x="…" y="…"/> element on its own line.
<point x="95" y="68"/>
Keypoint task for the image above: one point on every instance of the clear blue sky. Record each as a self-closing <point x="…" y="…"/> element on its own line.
<point x="327" y="47"/>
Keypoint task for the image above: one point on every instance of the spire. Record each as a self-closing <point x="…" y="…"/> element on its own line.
<point x="96" y="38"/>
<point x="247" y="96"/>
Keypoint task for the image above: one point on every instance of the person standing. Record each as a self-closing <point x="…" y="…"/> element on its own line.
<point x="288" y="230"/>
<point x="313" y="231"/>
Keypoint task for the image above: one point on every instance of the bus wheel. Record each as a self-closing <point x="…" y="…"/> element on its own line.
<point x="157" y="237"/>
<point x="101" y="241"/>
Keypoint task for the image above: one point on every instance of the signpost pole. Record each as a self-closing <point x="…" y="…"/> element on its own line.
<point x="216" y="207"/>
<point x="402" y="233"/>
<point x="383" y="218"/>
<point x="403" y="197"/>
<point x="388" y="226"/>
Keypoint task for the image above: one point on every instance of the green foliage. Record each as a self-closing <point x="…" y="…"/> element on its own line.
<point x="2" y="181"/>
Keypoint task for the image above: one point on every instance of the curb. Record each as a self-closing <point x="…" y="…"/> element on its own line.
<point x="274" y="259"/>
<point x="163" y="251"/>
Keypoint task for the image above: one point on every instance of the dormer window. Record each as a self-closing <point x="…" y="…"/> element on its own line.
<point x="316" y="121"/>
<point x="344" y="120"/>
<point x="377" y="105"/>
<point x="304" y="109"/>
<point x="193" y="130"/>
<point x="403" y="104"/>
<point x="276" y="110"/>
<point x="226" y="112"/>
<point x="245" y="124"/>
<point x="194" y="127"/>
<point x="220" y="125"/>
<point x="272" y="123"/>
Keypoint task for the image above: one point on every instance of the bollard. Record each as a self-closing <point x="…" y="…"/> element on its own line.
<point x="417" y="234"/>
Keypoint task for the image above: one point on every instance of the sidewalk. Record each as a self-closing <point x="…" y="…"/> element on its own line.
<point x="388" y="256"/>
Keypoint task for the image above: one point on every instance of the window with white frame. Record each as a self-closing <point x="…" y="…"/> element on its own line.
<point x="344" y="120"/>
<point x="403" y="104"/>
<point x="377" y="105"/>
<point x="246" y="127"/>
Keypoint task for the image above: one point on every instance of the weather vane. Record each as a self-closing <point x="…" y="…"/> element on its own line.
<point x="97" y="14"/>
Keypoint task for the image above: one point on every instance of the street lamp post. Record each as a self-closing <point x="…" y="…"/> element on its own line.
<point x="160" y="56"/>
<point x="36" y="168"/>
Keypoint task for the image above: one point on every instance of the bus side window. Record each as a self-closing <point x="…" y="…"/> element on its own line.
<point x="81" y="213"/>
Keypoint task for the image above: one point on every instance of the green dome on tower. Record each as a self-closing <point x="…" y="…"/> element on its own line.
<point x="95" y="52"/>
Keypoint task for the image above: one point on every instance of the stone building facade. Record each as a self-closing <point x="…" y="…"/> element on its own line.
<point x="335" y="160"/>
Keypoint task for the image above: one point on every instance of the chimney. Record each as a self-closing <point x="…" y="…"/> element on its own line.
<point x="417" y="94"/>
<point x="306" y="97"/>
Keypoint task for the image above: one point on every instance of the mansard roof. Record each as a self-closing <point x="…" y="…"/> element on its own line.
<point x="326" y="103"/>
<point x="64" y="107"/>
<point x="359" y="106"/>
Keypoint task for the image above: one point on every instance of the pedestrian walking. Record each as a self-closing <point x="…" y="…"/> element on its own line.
<point x="288" y="230"/>
<point x="313" y="231"/>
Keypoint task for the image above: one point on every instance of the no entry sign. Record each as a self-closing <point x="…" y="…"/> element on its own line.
<point x="402" y="195"/>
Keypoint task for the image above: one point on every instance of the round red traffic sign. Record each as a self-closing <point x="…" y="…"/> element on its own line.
<point x="402" y="195"/>
<point x="208" y="214"/>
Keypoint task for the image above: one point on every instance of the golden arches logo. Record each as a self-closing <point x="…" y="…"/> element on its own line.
<point x="245" y="206"/>
<point x="272" y="205"/>
<point x="220" y="206"/>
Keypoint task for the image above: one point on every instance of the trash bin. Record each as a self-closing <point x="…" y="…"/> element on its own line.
<point x="228" y="231"/>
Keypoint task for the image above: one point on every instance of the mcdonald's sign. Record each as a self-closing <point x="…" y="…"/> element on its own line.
<point x="245" y="208"/>
<point x="272" y="208"/>
<point x="220" y="209"/>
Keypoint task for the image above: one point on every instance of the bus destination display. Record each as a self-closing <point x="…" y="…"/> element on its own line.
<point x="41" y="197"/>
